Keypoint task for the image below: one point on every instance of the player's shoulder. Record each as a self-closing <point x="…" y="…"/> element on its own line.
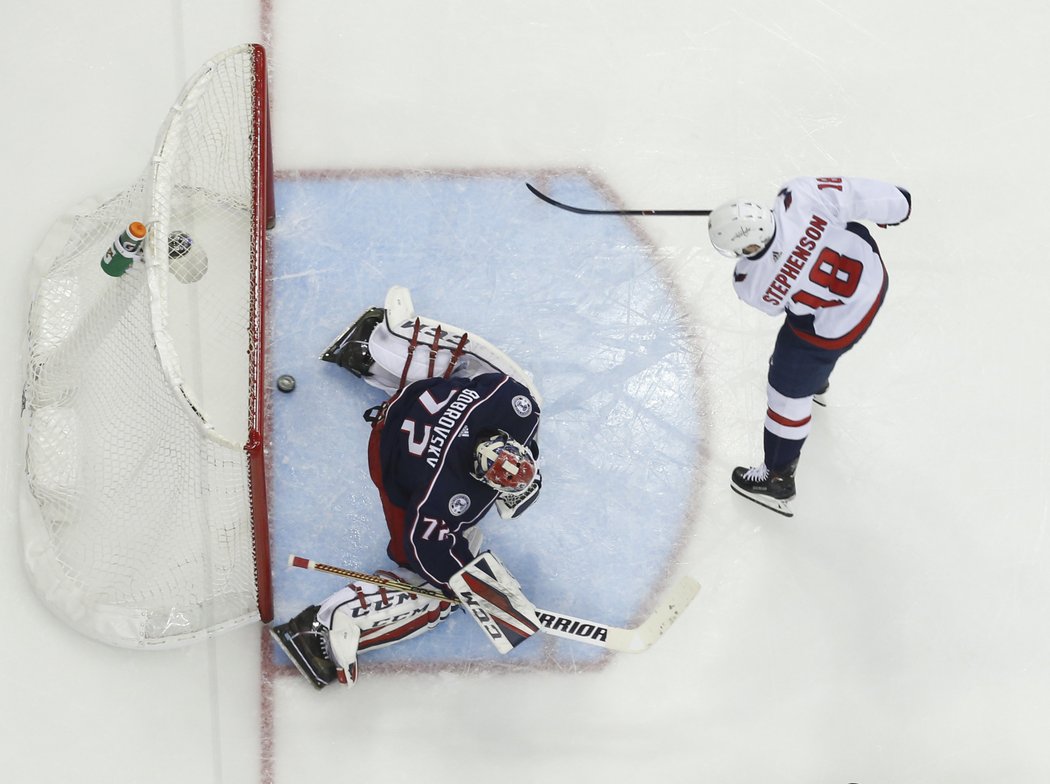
<point x="518" y="396"/>
<point x="803" y="197"/>
<point x="805" y="189"/>
<point x="502" y="385"/>
<point x="508" y="407"/>
<point x="486" y="380"/>
<point x="489" y="391"/>
<point x="442" y="388"/>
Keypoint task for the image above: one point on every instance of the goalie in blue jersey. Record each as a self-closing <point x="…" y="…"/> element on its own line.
<point x="456" y="437"/>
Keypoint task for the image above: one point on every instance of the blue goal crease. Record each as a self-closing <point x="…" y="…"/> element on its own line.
<point x="575" y="301"/>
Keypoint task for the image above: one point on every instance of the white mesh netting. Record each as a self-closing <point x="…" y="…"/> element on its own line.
<point x="137" y="515"/>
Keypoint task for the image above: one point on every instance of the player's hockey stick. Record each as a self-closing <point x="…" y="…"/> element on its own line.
<point x="556" y="624"/>
<point x="582" y="211"/>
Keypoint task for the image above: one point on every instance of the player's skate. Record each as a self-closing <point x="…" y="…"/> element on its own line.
<point x="820" y="398"/>
<point x="304" y="640"/>
<point x="771" y="489"/>
<point x="350" y="350"/>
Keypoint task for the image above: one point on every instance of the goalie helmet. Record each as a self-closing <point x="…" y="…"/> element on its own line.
<point x="741" y="228"/>
<point x="504" y="464"/>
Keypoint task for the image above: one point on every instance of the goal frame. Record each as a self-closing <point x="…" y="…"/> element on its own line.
<point x="194" y="499"/>
<point x="265" y="218"/>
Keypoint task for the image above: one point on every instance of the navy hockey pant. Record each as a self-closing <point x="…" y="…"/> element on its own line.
<point x="797" y="369"/>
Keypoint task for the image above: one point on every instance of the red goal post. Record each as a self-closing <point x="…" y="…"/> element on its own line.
<point x="144" y="514"/>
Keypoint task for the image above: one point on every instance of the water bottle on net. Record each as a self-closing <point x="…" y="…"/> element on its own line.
<point x="124" y="250"/>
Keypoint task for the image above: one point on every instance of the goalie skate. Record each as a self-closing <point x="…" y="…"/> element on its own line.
<point x="770" y="489"/>
<point x="350" y="350"/>
<point x="303" y="641"/>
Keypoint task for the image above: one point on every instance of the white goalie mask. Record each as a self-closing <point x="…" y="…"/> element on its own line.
<point x="741" y="228"/>
<point x="504" y="464"/>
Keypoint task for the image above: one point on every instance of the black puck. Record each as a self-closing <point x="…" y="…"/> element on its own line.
<point x="285" y="383"/>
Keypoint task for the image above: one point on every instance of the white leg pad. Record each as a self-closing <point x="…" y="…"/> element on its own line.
<point x="390" y="341"/>
<point x="383" y="616"/>
<point x="343" y="640"/>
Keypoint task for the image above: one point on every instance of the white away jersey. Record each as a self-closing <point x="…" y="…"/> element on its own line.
<point x="821" y="268"/>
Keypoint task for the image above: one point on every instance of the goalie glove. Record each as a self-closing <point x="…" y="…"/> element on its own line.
<point x="493" y="598"/>
<point x="907" y="195"/>
<point x="510" y="505"/>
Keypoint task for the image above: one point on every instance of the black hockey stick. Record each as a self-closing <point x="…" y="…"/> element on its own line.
<point x="582" y="211"/>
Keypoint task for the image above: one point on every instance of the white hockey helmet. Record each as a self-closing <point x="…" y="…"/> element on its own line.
<point x="504" y="464"/>
<point x="740" y="228"/>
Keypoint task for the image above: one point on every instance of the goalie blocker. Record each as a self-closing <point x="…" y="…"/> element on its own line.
<point x="494" y="599"/>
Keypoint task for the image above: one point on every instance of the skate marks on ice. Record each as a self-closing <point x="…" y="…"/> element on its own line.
<point x="577" y="302"/>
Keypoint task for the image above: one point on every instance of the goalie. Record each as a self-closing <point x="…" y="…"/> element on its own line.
<point x="457" y="437"/>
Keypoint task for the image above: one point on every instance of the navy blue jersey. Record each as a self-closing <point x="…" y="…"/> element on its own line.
<point x="421" y="458"/>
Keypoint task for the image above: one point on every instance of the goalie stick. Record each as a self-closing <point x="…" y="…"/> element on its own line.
<point x="583" y="211"/>
<point x="552" y="623"/>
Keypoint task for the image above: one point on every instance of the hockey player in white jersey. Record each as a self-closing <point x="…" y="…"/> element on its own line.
<point x="809" y="259"/>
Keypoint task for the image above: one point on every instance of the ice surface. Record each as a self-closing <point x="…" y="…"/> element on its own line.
<point x="590" y="317"/>
<point x="892" y="631"/>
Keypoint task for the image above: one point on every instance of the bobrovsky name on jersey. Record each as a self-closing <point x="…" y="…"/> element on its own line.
<point x="433" y="439"/>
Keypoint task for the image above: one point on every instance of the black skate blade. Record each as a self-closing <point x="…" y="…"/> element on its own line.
<point x="350" y="349"/>
<point x="331" y="354"/>
<point x="780" y="506"/>
<point x="295" y="657"/>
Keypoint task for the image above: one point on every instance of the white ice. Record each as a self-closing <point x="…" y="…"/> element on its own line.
<point x="893" y="631"/>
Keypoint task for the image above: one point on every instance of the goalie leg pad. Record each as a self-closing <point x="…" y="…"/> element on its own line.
<point x="383" y="615"/>
<point x="343" y="640"/>
<point x="389" y="346"/>
<point x="494" y="599"/>
<point x="390" y="352"/>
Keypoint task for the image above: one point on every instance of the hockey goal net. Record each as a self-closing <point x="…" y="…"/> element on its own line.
<point x="144" y="509"/>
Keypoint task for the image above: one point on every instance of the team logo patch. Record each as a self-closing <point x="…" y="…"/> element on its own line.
<point x="522" y="405"/>
<point x="458" y="504"/>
